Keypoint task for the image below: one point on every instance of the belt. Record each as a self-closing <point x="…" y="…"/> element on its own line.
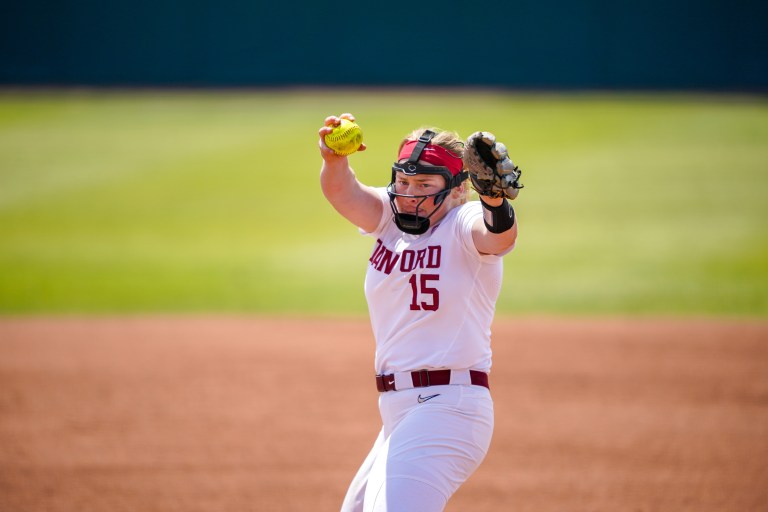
<point x="424" y="378"/>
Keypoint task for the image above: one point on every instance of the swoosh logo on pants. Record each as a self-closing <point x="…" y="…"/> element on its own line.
<point x="423" y="399"/>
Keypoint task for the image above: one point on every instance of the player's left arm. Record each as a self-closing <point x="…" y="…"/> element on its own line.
<point x="497" y="216"/>
<point x="497" y="180"/>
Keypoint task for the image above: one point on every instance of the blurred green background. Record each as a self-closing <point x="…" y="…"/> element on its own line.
<point x="147" y="201"/>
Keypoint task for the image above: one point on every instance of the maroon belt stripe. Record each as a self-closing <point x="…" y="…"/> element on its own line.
<point x="425" y="378"/>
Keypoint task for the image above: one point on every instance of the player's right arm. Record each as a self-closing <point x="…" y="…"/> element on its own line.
<point x="356" y="202"/>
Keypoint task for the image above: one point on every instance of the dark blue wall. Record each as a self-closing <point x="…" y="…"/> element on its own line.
<point x="675" y="44"/>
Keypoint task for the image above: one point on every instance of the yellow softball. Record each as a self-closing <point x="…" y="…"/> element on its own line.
<point x="345" y="139"/>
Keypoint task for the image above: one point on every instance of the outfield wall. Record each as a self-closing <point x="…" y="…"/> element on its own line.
<point x="603" y="44"/>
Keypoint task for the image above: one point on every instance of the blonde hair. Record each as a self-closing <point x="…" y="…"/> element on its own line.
<point x="447" y="139"/>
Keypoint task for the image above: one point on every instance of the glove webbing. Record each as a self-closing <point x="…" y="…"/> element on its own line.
<point x="484" y="150"/>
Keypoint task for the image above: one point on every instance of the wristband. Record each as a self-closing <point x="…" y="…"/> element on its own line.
<point x="498" y="219"/>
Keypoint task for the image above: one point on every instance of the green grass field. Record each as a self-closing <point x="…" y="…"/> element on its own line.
<point x="128" y="202"/>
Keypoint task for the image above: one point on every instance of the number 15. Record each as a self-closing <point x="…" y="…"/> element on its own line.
<point x="419" y="283"/>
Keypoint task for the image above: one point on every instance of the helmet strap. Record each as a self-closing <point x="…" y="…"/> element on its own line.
<point x="424" y="139"/>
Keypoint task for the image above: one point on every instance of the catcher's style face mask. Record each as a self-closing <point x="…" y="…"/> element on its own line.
<point x="445" y="164"/>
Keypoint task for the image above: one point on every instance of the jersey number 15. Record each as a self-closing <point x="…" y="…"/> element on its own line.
<point x="420" y="289"/>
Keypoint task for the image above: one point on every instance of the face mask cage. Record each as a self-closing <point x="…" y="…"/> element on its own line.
<point x="412" y="222"/>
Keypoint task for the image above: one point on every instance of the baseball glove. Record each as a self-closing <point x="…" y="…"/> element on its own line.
<point x="492" y="172"/>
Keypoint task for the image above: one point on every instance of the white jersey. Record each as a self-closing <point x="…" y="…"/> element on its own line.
<point x="431" y="297"/>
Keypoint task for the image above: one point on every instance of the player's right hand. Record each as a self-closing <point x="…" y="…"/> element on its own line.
<point x="330" y="123"/>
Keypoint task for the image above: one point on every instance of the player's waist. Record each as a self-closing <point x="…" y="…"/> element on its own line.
<point x="399" y="381"/>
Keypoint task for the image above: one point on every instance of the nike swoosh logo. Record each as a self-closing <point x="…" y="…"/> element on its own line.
<point x="423" y="399"/>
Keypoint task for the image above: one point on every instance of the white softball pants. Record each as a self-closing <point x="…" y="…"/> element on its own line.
<point x="431" y="441"/>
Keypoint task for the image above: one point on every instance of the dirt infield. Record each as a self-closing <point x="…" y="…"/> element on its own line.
<point x="252" y="414"/>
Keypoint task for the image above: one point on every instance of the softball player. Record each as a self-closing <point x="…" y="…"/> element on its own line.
<point x="433" y="278"/>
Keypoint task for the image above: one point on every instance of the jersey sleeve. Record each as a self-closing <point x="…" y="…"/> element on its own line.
<point x="467" y="215"/>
